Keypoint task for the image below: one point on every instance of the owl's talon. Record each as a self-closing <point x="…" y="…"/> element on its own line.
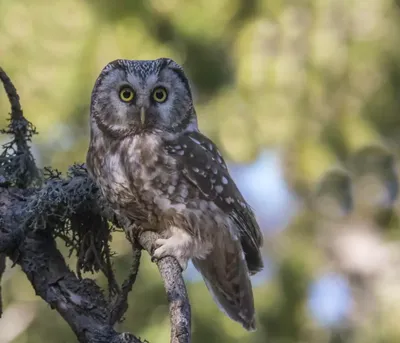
<point x="160" y="242"/>
<point x="170" y="247"/>
<point x="183" y="263"/>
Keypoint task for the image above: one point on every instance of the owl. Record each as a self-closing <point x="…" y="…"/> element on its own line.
<point x="155" y="167"/>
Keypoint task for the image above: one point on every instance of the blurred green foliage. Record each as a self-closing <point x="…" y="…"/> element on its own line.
<point x="317" y="79"/>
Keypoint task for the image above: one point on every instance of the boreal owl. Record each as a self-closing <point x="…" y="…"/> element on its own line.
<point x="154" y="166"/>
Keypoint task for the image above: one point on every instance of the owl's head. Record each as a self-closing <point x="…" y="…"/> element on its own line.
<point x="132" y="97"/>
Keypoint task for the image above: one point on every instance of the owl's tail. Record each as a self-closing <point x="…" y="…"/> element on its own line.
<point x="226" y="275"/>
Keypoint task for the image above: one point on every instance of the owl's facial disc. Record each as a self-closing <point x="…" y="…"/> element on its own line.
<point x="143" y="107"/>
<point x="131" y="97"/>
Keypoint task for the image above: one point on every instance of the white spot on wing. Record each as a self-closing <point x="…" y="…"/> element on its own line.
<point x="212" y="206"/>
<point x="203" y="205"/>
<point x="184" y="192"/>
<point x="163" y="203"/>
<point x="219" y="188"/>
<point x="229" y="200"/>
<point x="224" y="180"/>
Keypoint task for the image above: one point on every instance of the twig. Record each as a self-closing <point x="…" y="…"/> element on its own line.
<point x="179" y="306"/>
<point x="2" y="268"/>
<point x="13" y="97"/>
<point x="120" y="304"/>
<point x="17" y="165"/>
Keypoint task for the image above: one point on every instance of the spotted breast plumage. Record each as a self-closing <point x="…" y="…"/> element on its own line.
<point x="154" y="166"/>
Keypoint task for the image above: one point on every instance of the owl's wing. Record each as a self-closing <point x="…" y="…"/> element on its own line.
<point x="203" y="165"/>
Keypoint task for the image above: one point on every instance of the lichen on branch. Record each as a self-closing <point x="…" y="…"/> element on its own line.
<point x="17" y="165"/>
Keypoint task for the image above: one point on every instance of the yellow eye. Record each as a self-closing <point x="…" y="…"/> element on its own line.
<point x="160" y="94"/>
<point x="126" y="94"/>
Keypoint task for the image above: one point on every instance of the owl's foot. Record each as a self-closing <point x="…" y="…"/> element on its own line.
<point x="177" y="246"/>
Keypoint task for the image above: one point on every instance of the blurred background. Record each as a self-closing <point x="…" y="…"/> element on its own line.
<point x="303" y="99"/>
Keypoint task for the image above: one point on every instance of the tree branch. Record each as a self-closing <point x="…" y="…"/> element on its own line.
<point x="120" y="305"/>
<point x="2" y="269"/>
<point x="80" y="302"/>
<point x="72" y="209"/>
<point x="13" y="97"/>
<point x="17" y="165"/>
<point x="179" y="306"/>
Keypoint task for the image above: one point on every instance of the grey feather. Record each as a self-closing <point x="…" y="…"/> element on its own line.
<point x="202" y="164"/>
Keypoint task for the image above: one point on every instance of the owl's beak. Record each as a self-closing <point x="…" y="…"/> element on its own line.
<point x="142" y="115"/>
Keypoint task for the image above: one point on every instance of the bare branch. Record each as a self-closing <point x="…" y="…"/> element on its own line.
<point x="13" y="97"/>
<point x="120" y="304"/>
<point x="2" y="268"/>
<point x="179" y="306"/>
<point x="17" y="165"/>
